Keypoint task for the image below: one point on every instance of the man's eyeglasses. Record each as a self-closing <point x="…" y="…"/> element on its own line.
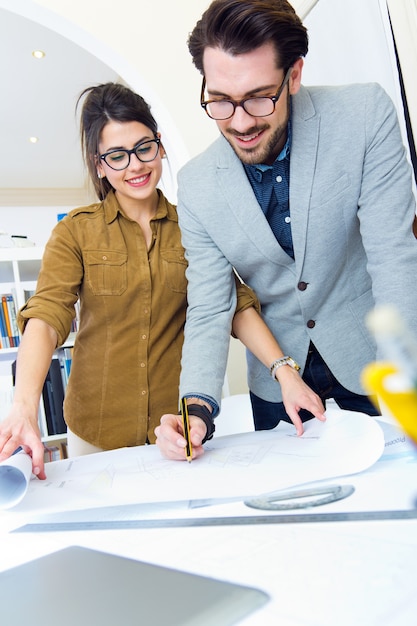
<point x="258" y="106"/>
<point x="145" y="151"/>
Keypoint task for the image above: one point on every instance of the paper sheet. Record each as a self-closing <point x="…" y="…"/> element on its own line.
<point x="14" y="479"/>
<point x="238" y="465"/>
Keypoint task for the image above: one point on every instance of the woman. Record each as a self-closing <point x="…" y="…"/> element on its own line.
<point x="122" y="258"/>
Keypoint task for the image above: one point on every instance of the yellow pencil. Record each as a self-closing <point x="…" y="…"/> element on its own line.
<point x="186" y="429"/>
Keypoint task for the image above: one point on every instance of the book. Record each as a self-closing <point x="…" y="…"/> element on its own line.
<point x="65" y="359"/>
<point x="13" y="320"/>
<point x="5" y="342"/>
<point x="7" y="320"/>
<point x="51" y="411"/>
<point x="76" y="321"/>
<point x="28" y="293"/>
<point x="53" y="399"/>
<point x="51" y="453"/>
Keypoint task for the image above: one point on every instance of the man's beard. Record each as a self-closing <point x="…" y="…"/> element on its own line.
<point x="260" y="154"/>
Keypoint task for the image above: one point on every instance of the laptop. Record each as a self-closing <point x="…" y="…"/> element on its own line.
<point x="86" y="587"/>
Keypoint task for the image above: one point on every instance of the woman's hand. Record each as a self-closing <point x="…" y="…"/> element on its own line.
<point x="20" y="429"/>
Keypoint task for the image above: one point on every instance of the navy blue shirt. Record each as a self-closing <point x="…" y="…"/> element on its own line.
<point x="271" y="186"/>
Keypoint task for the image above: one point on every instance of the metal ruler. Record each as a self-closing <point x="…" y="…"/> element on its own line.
<point x="246" y="520"/>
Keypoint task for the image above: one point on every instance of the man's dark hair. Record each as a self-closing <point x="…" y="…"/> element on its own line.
<point x="240" y="26"/>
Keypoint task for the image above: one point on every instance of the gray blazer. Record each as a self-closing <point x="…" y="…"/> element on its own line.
<point x="352" y="207"/>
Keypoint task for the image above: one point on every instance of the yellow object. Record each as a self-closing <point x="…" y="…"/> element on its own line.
<point x="377" y="379"/>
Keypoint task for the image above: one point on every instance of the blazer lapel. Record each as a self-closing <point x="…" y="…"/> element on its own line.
<point x="239" y="195"/>
<point x="305" y="128"/>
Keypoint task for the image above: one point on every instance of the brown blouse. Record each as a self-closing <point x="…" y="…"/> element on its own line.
<point x="127" y="353"/>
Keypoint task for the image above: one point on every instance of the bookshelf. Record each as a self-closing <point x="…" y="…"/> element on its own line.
<point x="19" y="269"/>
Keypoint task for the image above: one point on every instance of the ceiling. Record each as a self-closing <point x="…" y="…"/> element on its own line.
<point x="38" y="100"/>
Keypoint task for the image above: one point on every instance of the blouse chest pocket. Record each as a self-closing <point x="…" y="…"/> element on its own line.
<point x="106" y="272"/>
<point x="174" y="265"/>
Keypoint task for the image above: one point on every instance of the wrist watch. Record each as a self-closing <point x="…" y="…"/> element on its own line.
<point x="285" y="360"/>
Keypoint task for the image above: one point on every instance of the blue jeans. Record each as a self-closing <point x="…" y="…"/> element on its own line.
<point x="317" y="376"/>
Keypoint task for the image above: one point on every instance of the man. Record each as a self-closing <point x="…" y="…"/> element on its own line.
<point x="307" y="193"/>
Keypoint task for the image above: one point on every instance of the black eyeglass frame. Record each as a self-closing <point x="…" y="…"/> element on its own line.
<point x="129" y="153"/>
<point x="241" y="103"/>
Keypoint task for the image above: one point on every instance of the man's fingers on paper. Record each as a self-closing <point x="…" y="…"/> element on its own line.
<point x="315" y="407"/>
<point x="318" y="410"/>
<point x="297" y="421"/>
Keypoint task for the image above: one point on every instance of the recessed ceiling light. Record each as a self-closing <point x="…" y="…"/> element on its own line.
<point x="33" y="139"/>
<point x="38" y="54"/>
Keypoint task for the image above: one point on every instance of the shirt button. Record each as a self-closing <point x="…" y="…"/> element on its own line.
<point x="143" y="392"/>
<point x="143" y="364"/>
<point x="311" y="324"/>
<point x="143" y="336"/>
<point x="287" y="219"/>
<point x="279" y="179"/>
<point x="302" y="286"/>
<point x="104" y="257"/>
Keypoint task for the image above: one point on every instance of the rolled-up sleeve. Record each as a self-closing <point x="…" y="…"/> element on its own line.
<point x="246" y="297"/>
<point x="58" y="284"/>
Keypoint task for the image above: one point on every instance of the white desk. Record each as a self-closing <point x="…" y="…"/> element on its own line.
<point x="317" y="574"/>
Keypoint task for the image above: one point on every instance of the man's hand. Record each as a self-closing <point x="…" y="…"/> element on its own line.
<point x="17" y="431"/>
<point x="170" y="439"/>
<point x="296" y="395"/>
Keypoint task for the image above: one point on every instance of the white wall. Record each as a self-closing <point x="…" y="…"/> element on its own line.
<point x="350" y="41"/>
<point x="22" y="221"/>
<point x="146" y="44"/>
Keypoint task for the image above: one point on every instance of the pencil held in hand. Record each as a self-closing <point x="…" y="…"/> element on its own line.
<point x="186" y="429"/>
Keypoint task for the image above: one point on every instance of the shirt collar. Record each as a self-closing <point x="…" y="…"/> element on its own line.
<point x="111" y="207"/>
<point x="164" y="210"/>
